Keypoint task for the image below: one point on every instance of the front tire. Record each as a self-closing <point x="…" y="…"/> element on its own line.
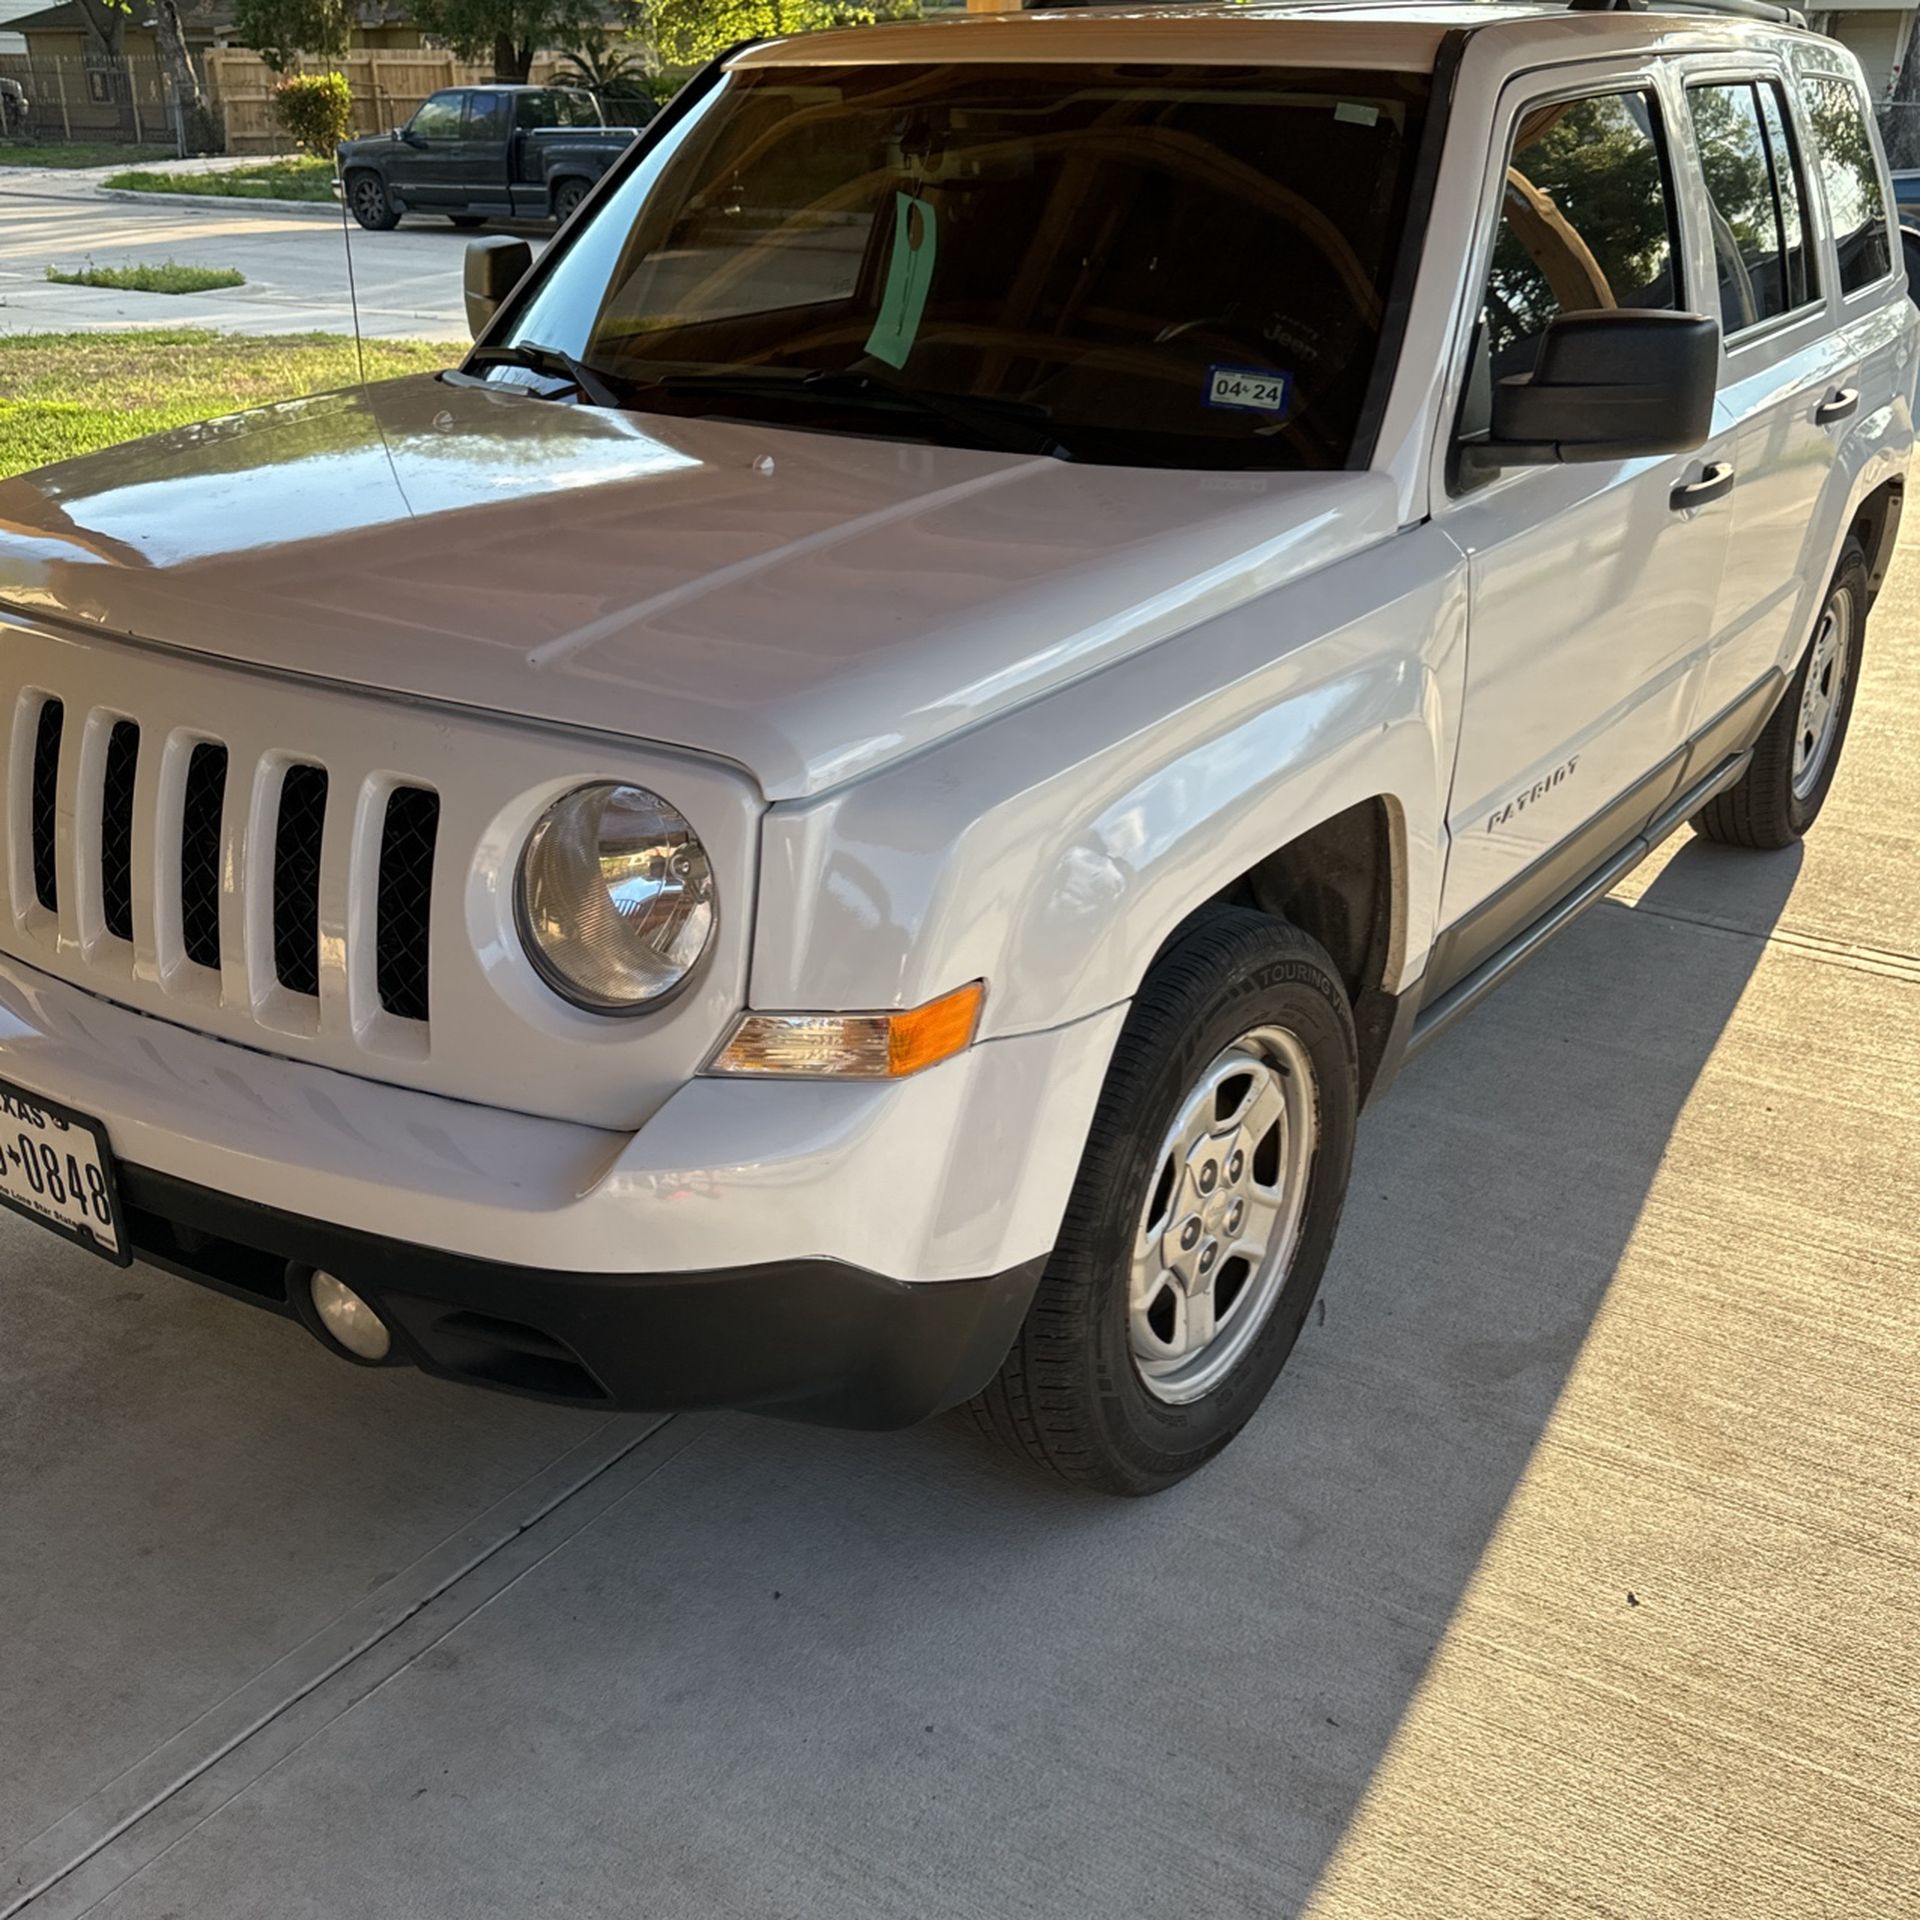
<point x="1786" y="783"/>
<point x="367" y="198"/>
<point x="1202" y="1216"/>
<point x="466" y="220"/>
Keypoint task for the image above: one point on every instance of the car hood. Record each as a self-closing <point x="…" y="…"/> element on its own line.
<point x="806" y="605"/>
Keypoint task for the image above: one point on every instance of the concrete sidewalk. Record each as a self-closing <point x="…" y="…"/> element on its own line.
<point x="1571" y="1570"/>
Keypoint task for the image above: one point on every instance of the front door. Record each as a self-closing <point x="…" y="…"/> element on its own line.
<point x="1593" y="584"/>
<point x="433" y="140"/>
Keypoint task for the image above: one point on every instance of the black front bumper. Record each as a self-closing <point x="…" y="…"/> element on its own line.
<point x="806" y="1339"/>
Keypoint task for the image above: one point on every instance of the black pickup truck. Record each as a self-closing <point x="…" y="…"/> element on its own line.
<point x="485" y="153"/>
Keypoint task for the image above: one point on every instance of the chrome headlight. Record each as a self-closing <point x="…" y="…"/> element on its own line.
<point x="615" y="898"/>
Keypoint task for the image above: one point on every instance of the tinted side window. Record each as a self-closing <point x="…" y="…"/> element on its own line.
<point x="536" y="110"/>
<point x="1856" y="210"/>
<point x="1586" y="221"/>
<point x="439" y="118"/>
<point x="483" y="115"/>
<point x="1759" y="247"/>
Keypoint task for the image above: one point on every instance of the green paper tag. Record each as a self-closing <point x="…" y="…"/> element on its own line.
<point x="909" y="275"/>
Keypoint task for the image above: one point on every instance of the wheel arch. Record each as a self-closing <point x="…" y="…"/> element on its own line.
<point x="1343" y="882"/>
<point x="1876" y="525"/>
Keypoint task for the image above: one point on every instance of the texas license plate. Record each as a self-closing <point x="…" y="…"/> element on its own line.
<point x="56" y="1167"/>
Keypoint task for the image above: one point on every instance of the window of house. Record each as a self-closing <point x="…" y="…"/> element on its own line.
<point x="1755" y="194"/>
<point x="1850" y="174"/>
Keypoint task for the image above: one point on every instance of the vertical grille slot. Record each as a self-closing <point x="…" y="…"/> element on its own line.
<point x="46" y="781"/>
<point x="116" y="829"/>
<point x="200" y="820"/>
<point x="405" y="918"/>
<point x="296" y="879"/>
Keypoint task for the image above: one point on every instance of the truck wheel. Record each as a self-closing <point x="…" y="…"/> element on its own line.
<point x="1201" y="1218"/>
<point x="1785" y="785"/>
<point x="566" y="197"/>
<point x="367" y="196"/>
<point x="466" y="219"/>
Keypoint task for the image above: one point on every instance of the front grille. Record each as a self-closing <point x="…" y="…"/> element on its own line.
<point x="202" y="812"/>
<point x="296" y="878"/>
<point x="170" y="881"/>
<point x="116" y="829"/>
<point x="403" y="940"/>
<point x="46" y="779"/>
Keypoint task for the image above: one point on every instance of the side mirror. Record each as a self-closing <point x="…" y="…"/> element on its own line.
<point x="1609" y="386"/>
<point x="493" y="270"/>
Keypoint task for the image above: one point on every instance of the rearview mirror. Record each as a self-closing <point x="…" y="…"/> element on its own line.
<point x="1609" y="386"/>
<point x="493" y="270"/>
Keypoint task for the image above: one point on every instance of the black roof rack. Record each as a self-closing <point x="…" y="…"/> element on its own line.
<point x="1778" y="15"/>
<point x="1771" y="11"/>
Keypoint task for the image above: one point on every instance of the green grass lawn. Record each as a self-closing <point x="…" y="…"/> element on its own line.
<point x="294" y="178"/>
<point x="80" y="155"/>
<point x="170" y="277"/>
<point x="63" y="394"/>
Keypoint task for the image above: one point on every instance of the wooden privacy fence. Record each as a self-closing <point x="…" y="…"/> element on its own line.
<point x="387" y="85"/>
<point x="76" y="97"/>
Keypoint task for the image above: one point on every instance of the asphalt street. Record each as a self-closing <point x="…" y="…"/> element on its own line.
<point x="295" y="265"/>
<point x="1573" y="1569"/>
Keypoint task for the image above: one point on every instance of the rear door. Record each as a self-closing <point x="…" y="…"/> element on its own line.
<point x="1593" y="584"/>
<point x="1788" y="384"/>
<point x="1874" y="323"/>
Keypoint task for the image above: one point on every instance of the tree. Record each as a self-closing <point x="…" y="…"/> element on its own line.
<point x="171" y="38"/>
<point x="687" y="31"/>
<point x="509" y="32"/>
<point x="280" y="31"/>
<point x="107" y="21"/>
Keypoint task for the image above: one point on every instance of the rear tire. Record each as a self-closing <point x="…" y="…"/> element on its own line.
<point x="367" y="198"/>
<point x="1786" y="784"/>
<point x="465" y="220"/>
<point x="1222" y="1141"/>
<point x="566" y="197"/>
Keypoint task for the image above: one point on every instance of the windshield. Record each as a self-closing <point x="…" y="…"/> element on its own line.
<point x="1170" y="266"/>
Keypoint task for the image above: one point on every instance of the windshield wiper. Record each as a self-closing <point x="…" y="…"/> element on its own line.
<point x="589" y="382"/>
<point x="1015" y="426"/>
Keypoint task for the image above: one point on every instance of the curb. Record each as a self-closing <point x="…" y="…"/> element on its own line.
<point x="220" y="202"/>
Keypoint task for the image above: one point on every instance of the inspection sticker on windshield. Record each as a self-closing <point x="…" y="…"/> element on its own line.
<point x="1255" y="389"/>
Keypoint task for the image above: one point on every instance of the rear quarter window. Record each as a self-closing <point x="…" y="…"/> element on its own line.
<point x="1850" y="177"/>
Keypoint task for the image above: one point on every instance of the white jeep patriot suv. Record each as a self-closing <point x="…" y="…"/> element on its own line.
<point x="843" y="820"/>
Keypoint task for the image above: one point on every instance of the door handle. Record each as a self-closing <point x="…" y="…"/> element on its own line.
<point x="1715" y="484"/>
<point x="1836" y="406"/>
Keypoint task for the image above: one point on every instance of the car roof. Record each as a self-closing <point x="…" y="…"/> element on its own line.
<point x="1310" y="33"/>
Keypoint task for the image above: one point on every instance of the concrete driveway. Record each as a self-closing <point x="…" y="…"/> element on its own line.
<point x="295" y="265"/>
<point x="1573" y="1568"/>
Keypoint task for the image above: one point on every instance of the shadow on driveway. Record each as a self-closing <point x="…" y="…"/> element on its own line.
<point x="805" y="1672"/>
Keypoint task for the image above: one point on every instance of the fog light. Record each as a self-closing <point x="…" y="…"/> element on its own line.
<point x="349" y="1319"/>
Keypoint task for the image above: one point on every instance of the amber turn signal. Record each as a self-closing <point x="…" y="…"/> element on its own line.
<point x="854" y="1046"/>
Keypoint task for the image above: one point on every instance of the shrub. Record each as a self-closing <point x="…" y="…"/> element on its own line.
<point x="314" y="110"/>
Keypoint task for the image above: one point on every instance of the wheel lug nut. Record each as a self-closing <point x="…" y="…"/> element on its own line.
<point x="1209" y="1256"/>
<point x="1209" y="1177"/>
<point x="1237" y="1165"/>
<point x="1190" y="1235"/>
<point x="1235" y="1214"/>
